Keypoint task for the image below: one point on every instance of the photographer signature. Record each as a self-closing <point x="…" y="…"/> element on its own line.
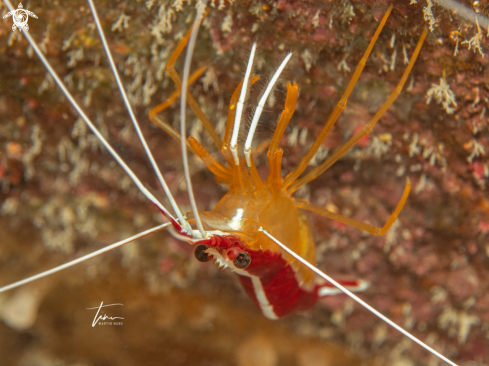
<point x="104" y="317"/>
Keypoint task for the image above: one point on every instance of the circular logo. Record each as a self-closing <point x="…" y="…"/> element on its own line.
<point x="20" y="17"/>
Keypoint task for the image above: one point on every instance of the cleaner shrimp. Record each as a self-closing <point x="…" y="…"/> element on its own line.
<point x="79" y="211"/>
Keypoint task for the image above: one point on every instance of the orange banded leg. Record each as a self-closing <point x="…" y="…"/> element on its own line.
<point x="222" y="174"/>
<point x="274" y="154"/>
<point x="303" y="204"/>
<point x="289" y="109"/>
<point x="314" y="173"/>
<point x="170" y="69"/>
<point x="291" y="177"/>
<point x="153" y="113"/>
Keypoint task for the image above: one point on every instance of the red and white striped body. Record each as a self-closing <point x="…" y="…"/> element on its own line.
<point x="275" y="285"/>
<point x="276" y="291"/>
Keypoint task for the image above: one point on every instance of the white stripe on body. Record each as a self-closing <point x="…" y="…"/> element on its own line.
<point x="265" y="307"/>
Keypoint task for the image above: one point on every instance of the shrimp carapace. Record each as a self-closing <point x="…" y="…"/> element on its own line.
<point x="275" y="281"/>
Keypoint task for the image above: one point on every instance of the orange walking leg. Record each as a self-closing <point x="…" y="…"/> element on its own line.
<point x="274" y="179"/>
<point x="157" y="120"/>
<point x="223" y="175"/>
<point x="314" y="173"/>
<point x="303" y="204"/>
<point x="291" y="177"/>
<point x="170" y="69"/>
<point x="289" y="109"/>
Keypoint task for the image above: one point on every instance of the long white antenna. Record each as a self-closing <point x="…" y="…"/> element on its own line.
<point x="92" y="127"/>
<point x="357" y="299"/>
<point x="240" y="106"/>
<point x="185" y="225"/>
<point x="84" y="258"/>
<point x="183" y="121"/>
<point x="259" y="109"/>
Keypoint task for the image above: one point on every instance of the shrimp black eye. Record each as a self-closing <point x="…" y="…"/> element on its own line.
<point x="242" y="260"/>
<point x="200" y="253"/>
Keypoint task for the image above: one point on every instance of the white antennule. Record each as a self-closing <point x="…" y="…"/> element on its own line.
<point x="240" y="106"/>
<point x="85" y="257"/>
<point x="259" y="109"/>
<point x="183" y="106"/>
<point x="185" y="225"/>
<point x="356" y="298"/>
